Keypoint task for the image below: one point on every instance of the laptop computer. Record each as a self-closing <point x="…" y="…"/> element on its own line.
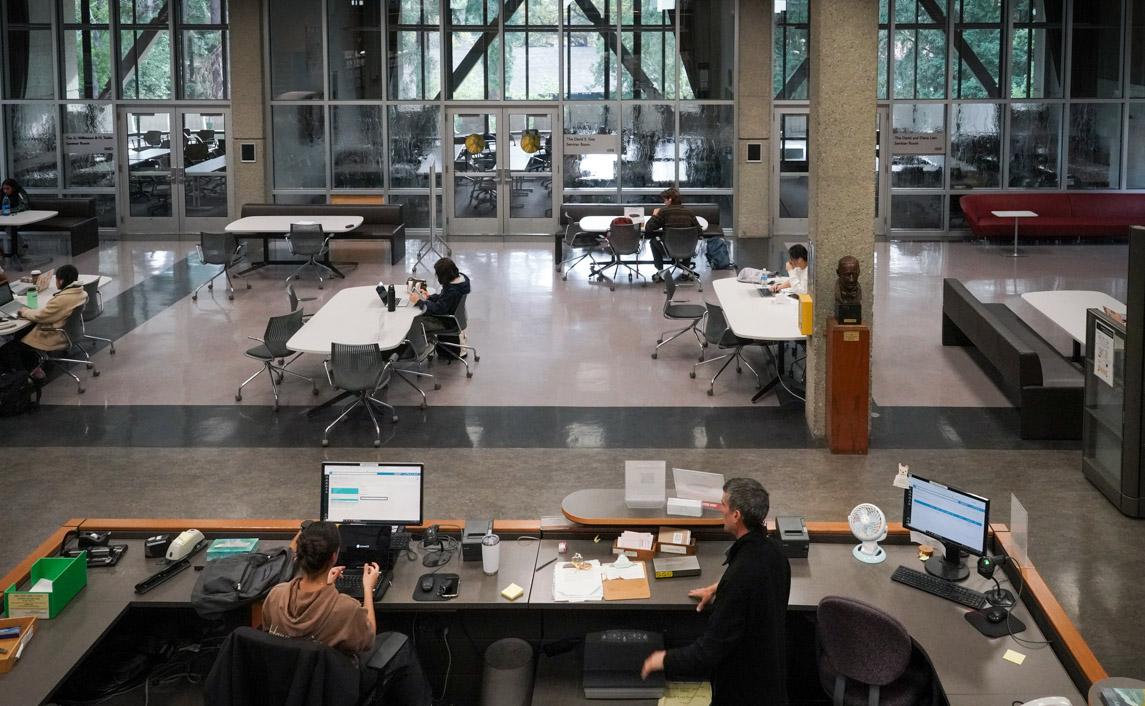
<point x="42" y="282"/>
<point x="8" y="304"/>
<point x="363" y="544"/>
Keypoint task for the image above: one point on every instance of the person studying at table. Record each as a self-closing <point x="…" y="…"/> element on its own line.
<point x="743" y="650"/>
<point x="454" y="285"/>
<point x="24" y="353"/>
<point x="17" y="197"/>
<point x="310" y="607"/>
<point x="796" y="271"/>
<point x="673" y="214"/>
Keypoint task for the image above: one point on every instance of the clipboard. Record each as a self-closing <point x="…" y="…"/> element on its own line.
<point x="627" y="589"/>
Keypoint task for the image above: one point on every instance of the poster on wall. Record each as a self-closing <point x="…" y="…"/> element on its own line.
<point x="918" y="143"/>
<point x="592" y="144"/>
<point x="1103" y="354"/>
<point x="85" y="143"/>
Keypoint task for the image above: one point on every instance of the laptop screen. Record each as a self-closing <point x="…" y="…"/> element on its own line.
<point x="5" y="293"/>
<point x="372" y="493"/>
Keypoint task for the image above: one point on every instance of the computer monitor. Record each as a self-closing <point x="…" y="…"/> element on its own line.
<point x="956" y="518"/>
<point x="372" y="493"/>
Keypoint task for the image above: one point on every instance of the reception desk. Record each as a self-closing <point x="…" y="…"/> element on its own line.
<point x="970" y="667"/>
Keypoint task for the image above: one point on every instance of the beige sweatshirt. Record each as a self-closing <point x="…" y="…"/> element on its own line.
<point x="324" y="615"/>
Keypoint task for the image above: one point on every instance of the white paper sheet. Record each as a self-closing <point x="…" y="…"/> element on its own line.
<point x="575" y="585"/>
<point x="636" y="571"/>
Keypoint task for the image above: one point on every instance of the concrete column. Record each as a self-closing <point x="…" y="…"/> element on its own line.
<point x="248" y="114"/>
<point x="753" y="112"/>
<point x="844" y="64"/>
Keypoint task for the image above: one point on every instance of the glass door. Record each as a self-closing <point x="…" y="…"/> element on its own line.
<point x="175" y="169"/>
<point x="791" y="190"/>
<point x="499" y="171"/>
<point x="882" y="174"/>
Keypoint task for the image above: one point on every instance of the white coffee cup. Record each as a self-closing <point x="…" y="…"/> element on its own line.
<point x="490" y="553"/>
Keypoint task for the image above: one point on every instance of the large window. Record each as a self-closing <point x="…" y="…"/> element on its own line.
<point x="790" y="62"/>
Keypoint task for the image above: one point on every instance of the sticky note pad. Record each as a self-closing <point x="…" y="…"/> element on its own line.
<point x="1015" y="657"/>
<point x="512" y="592"/>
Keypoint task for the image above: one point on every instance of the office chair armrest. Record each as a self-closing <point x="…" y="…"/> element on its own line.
<point x="329" y="373"/>
<point x="63" y="331"/>
<point x="254" y="338"/>
<point x="199" y="249"/>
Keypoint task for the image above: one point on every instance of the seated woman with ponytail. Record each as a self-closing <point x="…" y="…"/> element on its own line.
<point x="308" y="606"/>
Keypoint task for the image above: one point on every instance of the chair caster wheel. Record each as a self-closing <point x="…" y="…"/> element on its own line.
<point x="394" y="419"/>
<point x="659" y="341"/>
<point x="424" y="405"/>
<point x="81" y="390"/>
<point x="95" y="373"/>
<point x="113" y="350"/>
<point x="476" y="358"/>
<point x="377" y="443"/>
<point x="194" y="297"/>
<point x="274" y="408"/>
<point x="710" y="392"/>
<point x="437" y="386"/>
<point x="612" y="289"/>
<point x="231" y="297"/>
<point x="653" y="356"/>
<point x="739" y="370"/>
<point x="692" y="374"/>
<point x="325" y="443"/>
<point x="468" y="373"/>
<point x="564" y="278"/>
<point x="248" y="285"/>
<point x="238" y="398"/>
<point x="210" y="287"/>
<point x="321" y="287"/>
<point x="314" y="391"/>
<point x="629" y="278"/>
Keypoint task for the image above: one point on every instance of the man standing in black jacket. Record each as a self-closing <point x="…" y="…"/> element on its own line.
<point x="743" y="648"/>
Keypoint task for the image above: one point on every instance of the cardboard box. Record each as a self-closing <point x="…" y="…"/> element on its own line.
<point x="68" y="576"/>
<point x="681" y="549"/>
<point x="634" y="553"/>
<point x="15" y="646"/>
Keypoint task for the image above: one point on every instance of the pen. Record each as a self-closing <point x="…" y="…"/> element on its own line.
<point x="545" y="564"/>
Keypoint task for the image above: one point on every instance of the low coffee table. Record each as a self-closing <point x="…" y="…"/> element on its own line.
<point x="13" y="222"/>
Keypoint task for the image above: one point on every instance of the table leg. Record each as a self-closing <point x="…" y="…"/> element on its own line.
<point x="14" y="243"/>
<point x="1015" y="253"/>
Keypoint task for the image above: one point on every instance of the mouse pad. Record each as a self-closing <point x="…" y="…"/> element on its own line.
<point x="433" y="594"/>
<point x="1010" y="626"/>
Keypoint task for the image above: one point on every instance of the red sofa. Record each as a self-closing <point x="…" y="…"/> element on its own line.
<point x="1060" y="215"/>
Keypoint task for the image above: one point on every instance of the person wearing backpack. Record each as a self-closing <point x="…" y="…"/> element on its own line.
<point x="308" y="606"/>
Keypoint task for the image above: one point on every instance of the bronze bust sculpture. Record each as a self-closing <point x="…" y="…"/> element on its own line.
<point x="848" y="292"/>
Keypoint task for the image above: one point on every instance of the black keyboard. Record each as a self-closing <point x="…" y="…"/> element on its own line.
<point x="940" y="587"/>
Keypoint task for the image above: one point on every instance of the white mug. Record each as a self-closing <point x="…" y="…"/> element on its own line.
<point x="490" y="553"/>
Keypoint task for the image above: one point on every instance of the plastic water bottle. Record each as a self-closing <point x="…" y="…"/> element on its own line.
<point x="33" y="298"/>
<point x="6" y="207"/>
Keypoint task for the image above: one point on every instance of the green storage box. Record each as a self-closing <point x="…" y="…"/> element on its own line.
<point x="229" y="547"/>
<point x="68" y="576"/>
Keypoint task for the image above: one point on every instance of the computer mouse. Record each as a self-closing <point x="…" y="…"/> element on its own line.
<point x="426" y="584"/>
<point x="996" y="615"/>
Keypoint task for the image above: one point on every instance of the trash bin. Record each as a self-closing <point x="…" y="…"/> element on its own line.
<point x="508" y="679"/>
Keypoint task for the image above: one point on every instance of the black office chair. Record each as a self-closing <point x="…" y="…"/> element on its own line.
<point x="415" y="350"/>
<point x="273" y="347"/>
<point x="295" y="300"/>
<point x="717" y="331"/>
<point x="680" y="245"/>
<point x="359" y="370"/>
<point x="455" y="324"/>
<point x="92" y="310"/>
<point x="255" y="668"/>
<point x="580" y="244"/>
<point x="219" y="249"/>
<point x="307" y="239"/>
<point x="679" y="311"/>
<point x="73" y="333"/>
<point x="867" y="658"/>
<point x="623" y="239"/>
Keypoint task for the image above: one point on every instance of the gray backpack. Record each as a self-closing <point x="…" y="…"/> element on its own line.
<point x="235" y="581"/>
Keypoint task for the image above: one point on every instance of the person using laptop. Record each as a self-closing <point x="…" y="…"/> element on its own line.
<point x="743" y="648"/>
<point x="454" y="285"/>
<point x="308" y="606"/>
<point x="796" y="271"/>
<point x="24" y="353"/>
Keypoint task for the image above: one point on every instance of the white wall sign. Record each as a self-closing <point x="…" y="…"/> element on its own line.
<point x="77" y="143"/>
<point x="592" y="144"/>
<point x="1103" y="355"/>
<point x="918" y="143"/>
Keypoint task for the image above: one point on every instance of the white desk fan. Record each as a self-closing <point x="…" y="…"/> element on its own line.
<point x="869" y="525"/>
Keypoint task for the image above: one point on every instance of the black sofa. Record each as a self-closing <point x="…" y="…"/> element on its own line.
<point x="1042" y="383"/>
<point x="76" y="217"/>
<point x="573" y="212"/>
<point x="380" y="221"/>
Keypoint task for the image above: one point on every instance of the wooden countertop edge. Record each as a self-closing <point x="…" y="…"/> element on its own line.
<point x="48" y="547"/>
<point x="1075" y="644"/>
<point x="265" y="525"/>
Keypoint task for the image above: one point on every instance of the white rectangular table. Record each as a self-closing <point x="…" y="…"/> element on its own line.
<point x="1017" y="216"/>
<point x="11" y="222"/>
<point x="600" y="224"/>
<point x="266" y="227"/>
<point x="7" y="328"/>
<point x="1067" y="307"/>
<point x="749" y="315"/>
<point x="354" y="316"/>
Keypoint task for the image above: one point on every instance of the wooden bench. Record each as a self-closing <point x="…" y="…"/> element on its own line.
<point x="379" y="222"/>
<point x="1042" y="383"/>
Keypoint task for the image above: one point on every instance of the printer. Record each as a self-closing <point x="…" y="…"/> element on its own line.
<point x="793" y="537"/>
<point x="471" y="536"/>
<point x="612" y="663"/>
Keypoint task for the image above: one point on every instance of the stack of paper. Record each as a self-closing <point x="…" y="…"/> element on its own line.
<point x="574" y="585"/>
<point x="635" y="540"/>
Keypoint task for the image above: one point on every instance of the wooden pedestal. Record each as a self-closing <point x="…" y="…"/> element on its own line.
<point x="848" y="387"/>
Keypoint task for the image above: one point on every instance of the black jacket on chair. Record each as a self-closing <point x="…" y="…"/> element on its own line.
<point x="256" y="668"/>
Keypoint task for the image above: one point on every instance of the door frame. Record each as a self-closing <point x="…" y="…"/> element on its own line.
<point x="883" y="167"/>
<point x="182" y="220"/>
<point x="780" y="225"/>
<point x="503" y="222"/>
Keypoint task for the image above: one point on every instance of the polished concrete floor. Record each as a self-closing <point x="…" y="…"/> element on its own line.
<point x="565" y="391"/>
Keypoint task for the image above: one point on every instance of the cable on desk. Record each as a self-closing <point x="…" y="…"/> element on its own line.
<point x="528" y="536"/>
<point x="1009" y="625"/>
<point x="449" y="662"/>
